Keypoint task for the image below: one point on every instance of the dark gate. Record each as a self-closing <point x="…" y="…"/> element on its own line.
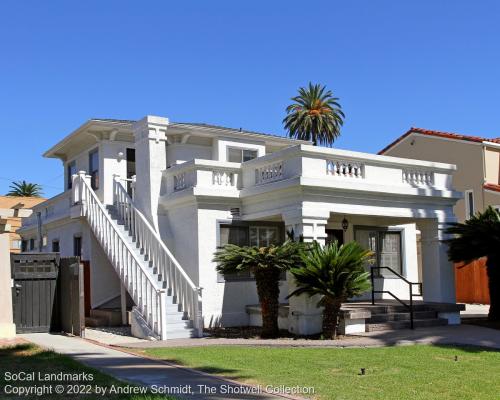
<point x="48" y="293"/>
<point x="34" y="294"/>
<point x="71" y="284"/>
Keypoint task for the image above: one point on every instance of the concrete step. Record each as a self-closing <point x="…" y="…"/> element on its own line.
<point x="113" y="317"/>
<point x="181" y="334"/>
<point x="393" y="325"/>
<point x="178" y="325"/>
<point x="401" y="316"/>
<point x="96" y="322"/>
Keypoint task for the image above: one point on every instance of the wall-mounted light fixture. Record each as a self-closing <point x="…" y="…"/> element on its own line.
<point x="345" y="224"/>
<point x="120" y="155"/>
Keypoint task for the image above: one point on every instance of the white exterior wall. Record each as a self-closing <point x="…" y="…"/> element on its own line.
<point x="110" y="164"/>
<point x="178" y="153"/>
<point x="223" y="302"/>
<point x="105" y="283"/>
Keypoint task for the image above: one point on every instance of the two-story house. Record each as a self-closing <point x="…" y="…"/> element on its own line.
<point x="477" y="176"/>
<point x="148" y="202"/>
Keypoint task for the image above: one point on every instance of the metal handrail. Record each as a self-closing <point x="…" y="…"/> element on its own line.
<point x="410" y="284"/>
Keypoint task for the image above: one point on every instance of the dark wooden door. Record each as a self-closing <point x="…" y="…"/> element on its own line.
<point x="34" y="295"/>
<point x="471" y="282"/>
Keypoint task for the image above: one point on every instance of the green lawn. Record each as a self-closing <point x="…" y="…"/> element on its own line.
<point x="407" y="372"/>
<point x="29" y="358"/>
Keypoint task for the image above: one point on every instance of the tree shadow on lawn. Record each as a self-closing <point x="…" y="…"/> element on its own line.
<point x="470" y="338"/>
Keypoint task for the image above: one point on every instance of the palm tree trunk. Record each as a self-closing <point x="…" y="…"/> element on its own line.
<point x="268" y="290"/>
<point x="493" y="271"/>
<point x="331" y="313"/>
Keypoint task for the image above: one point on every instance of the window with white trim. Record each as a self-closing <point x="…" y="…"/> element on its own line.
<point x="386" y="245"/>
<point x="469" y="204"/>
<point x="240" y="155"/>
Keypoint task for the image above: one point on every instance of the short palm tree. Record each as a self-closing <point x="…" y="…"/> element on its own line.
<point x="315" y="115"/>
<point x="335" y="273"/>
<point x="266" y="265"/>
<point x="25" y="189"/>
<point x="479" y="237"/>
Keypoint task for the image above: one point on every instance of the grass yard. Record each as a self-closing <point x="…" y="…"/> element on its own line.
<point x="30" y="358"/>
<point x="406" y="372"/>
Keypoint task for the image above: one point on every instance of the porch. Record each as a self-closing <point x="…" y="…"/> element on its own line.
<point x="363" y="316"/>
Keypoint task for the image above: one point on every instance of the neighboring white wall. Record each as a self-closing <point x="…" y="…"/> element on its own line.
<point x="222" y="144"/>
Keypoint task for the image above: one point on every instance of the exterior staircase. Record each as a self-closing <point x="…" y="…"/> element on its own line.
<point x="390" y="317"/>
<point x="178" y="324"/>
<point x="167" y="303"/>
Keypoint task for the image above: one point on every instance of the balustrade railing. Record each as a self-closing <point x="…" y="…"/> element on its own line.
<point x="418" y="177"/>
<point x="269" y="173"/>
<point x="148" y="239"/>
<point x="347" y="169"/>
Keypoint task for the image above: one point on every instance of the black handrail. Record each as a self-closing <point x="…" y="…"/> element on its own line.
<point x="410" y="284"/>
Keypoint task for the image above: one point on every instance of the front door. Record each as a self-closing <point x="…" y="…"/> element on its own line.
<point x="334" y="235"/>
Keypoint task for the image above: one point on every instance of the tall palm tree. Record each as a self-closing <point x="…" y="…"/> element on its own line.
<point x="335" y="273"/>
<point x="479" y="237"/>
<point x="25" y="189"/>
<point x="266" y="264"/>
<point x="315" y="115"/>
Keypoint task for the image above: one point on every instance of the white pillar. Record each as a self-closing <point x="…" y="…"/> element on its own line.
<point x="151" y="160"/>
<point x="437" y="272"/>
<point x="7" y="327"/>
<point x="305" y="318"/>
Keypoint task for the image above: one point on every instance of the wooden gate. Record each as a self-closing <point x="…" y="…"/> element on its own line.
<point x="48" y="293"/>
<point x="34" y="294"/>
<point x="471" y="282"/>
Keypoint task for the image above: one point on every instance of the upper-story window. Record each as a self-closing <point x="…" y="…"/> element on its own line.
<point x="240" y="155"/>
<point x="94" y="168"/>
<point x="469" y="204"/>
<point x="71" y="170"/>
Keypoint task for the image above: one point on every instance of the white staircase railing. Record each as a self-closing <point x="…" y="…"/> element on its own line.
<point x="181" y="286"/>
<point x="147" y="294"/>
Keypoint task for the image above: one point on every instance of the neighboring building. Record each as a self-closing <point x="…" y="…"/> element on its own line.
<point x="477" y="160"/>
<point x="477" y="176"/>
<point x="197" y="187"/>
<point x="17" y="203"/>
<point x="7" y="327"/>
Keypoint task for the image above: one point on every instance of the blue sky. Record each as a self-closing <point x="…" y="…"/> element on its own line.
<point x="394" y="64"/>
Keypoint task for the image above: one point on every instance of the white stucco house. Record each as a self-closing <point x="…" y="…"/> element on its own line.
<point x="146" y="204"/>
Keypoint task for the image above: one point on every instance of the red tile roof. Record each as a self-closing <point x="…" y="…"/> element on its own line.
<point x="492" y="186"/>
<point x="448" y="135"/>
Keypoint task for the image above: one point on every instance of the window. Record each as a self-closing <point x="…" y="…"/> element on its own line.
<point x="77" y="246"/>
<point x="55" y="246"/>
<point x="70" y="171"/>
<point x="16" y="244"/>
<point x="469" y="204"/>
<point x="386" y="246"/>
<point x="24" y="246"/>
<point x="32" y="244"/>
<point x="248" y="235"/>
<point x="240" y="155"/>
<point x="94" y="168"/>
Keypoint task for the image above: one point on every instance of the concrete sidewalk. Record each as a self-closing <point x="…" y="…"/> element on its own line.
<point x="467" y="335"/>
<point x="143" y="371"/>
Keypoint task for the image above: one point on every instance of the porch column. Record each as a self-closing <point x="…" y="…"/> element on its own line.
<point x="437" y="272"/>
<point x="7" y="327"/>
<point x="305" y="318"/>
<point x="151" y="160"/>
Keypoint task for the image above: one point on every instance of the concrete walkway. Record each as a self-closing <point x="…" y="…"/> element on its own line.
<point x="143" y="371"/>
<point x="468" y="335"/>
